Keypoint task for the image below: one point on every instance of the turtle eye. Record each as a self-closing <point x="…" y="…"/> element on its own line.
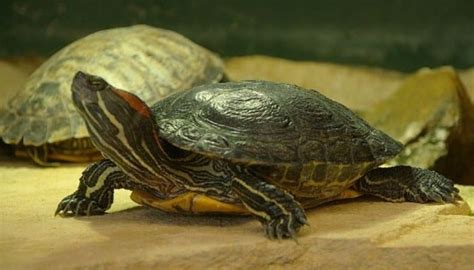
<point x="98" y="83"/>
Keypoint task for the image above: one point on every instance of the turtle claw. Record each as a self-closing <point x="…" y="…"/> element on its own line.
<point x="74" y="205"/>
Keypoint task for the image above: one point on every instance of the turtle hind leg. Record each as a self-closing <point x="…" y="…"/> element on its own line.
<point x="39" y="155"/>
<point x="404" y="183"/>
<point x="95" y="193"/>
<point x="280" y="214"/>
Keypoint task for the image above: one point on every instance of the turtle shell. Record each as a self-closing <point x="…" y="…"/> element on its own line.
<point x="150" y="62"/>
<point x="262" y="122"/>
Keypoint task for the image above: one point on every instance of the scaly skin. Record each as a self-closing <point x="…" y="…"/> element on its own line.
<point x="280" y="214"/>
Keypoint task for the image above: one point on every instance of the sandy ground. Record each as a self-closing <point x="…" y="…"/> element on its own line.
<point x="360" y="233"/>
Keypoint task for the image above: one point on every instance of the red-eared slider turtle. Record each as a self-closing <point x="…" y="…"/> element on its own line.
<point x="41" y="119"/>
<point x="269" y="148"/>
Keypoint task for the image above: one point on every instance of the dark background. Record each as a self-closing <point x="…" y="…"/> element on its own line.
<point x="403" y="35"/>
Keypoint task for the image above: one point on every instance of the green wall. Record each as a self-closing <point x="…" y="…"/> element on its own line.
<point x="402" y="35"/>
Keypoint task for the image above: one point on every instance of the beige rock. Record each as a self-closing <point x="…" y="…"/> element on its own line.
<point x="467" y="77"/>
<point x="362" y="233"/>
<point x="431" y="114"/>
<point x="356" y="234"/>
<point x="429" y="111"/>
<point x="356" y="87"/>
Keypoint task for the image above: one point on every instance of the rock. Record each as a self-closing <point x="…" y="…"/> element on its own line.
<point x="359" y="233"/>
<point x="467" y="77"/>
<point x="432" y="115"/>
<point x="356" y="234"/>
<point x="467" y="192"/>
<point x="357" y="87"/>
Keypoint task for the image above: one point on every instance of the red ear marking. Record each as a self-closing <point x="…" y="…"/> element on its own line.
<point x="137" y="104"/>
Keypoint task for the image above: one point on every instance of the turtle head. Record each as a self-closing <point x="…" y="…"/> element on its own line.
<point x="92" y="92"/>
<point x="120" y="124"/>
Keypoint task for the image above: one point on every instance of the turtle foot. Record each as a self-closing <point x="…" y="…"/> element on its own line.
<point x="408" y="184"/>
<point x="74" y="205"/>
<point x="285" y="226"/>
<point x="432" y="187"/>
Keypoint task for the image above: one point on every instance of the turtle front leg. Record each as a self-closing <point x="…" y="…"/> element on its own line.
<point x="95" y="193"/>
<point x="280" y="214"/>
<point x="404" y="183"/>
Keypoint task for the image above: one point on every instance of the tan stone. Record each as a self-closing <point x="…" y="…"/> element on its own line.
<point x="356" y="87"/>
<point x="431" y="114"/>
<point x="467" y="77"/>
<point x="357" y="234"/>
<point x="429" y="110"/>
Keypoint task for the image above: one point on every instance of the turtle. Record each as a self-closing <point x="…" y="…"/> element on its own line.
<point x="269" y="149"/>
<point x="40" y="119"/>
